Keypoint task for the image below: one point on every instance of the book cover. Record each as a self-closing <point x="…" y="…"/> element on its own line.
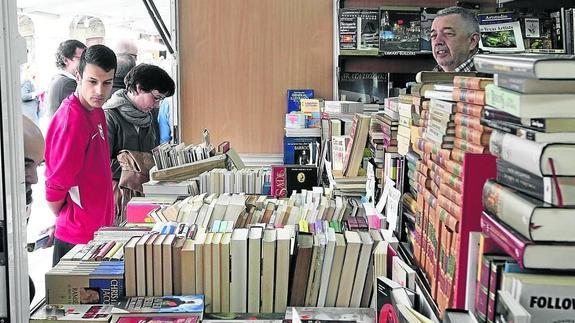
<point x="366" y="87"/>
<point x="76" y="313"/>
<point x="540" y="66"/>
<point x="155" y="319"/>
<point x="289" y="178"/>
<point x="427" y="16"/>
<point x="500" y="33"/>
<point x="359" y="31"/>
<point x="301" y="150"/>
<point x="400" y="30"/>
<point x="293" y="97"/>
<point x="161" y="304"/>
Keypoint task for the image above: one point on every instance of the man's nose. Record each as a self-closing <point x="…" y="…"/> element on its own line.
<point x="31" y="177"/>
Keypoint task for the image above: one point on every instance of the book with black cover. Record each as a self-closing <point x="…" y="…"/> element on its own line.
<point x="400" y="29"/>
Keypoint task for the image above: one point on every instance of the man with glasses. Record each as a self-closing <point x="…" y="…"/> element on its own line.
<point x="64" y="82"/>
<point x="132" y="118"/>
<point x="454" y="39"/>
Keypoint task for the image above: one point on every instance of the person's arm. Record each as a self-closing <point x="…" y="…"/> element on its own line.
<point x="27" y="91"/>
<point x="56" y="206"/>
<point x="113" y="142"/>
<point x="68" y="87"/>
<point x="164" y="122"/>
<point x="66" y="144"/>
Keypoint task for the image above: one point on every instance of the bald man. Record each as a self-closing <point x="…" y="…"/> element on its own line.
<point x="127" y="46"/>
<point x="33" y="157"/>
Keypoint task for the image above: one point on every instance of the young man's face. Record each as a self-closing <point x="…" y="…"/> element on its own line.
<point x="450" y="41"/>
<point x="95" y="86"/>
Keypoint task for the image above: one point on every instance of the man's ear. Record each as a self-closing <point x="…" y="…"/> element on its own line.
<point x="78" y="77"/>
<point x="474" y="41"/>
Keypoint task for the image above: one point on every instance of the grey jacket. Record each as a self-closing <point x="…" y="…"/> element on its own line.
<point x="123" y="135"/>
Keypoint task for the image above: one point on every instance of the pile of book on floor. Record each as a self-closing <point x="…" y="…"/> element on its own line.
<point x="528" y="208"/>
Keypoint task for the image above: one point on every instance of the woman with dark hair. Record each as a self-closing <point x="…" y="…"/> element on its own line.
<point x="131" y="116"/>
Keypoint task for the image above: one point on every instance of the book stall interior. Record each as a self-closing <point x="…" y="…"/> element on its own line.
<point x="409" y="196"/>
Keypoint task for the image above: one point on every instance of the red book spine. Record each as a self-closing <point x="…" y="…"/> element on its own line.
<point x="511" y="244"/>
<point x="104" y="250"/>
<point x="279" y="185"/>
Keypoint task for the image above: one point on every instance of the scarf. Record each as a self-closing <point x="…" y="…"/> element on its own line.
<point x="128" y="110"/>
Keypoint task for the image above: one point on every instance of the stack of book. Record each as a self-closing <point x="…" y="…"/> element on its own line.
<point x="528" y="208"/>
<point x="246" y="180"/>
<point x="302" y="128"/>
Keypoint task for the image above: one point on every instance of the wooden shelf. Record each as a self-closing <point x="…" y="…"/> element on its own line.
<point x="387" y="64"/>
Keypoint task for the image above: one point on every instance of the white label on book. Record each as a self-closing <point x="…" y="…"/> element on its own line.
<point x="392" y="208"/>
<point x="389" y="183"/>
<point x="370" y="183"/>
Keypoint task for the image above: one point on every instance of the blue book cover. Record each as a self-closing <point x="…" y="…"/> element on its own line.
<point x="162" y="304"/>
<point x="293" y="97"/>
<point x="107" y="291"/>
<point x="301" y="150"/>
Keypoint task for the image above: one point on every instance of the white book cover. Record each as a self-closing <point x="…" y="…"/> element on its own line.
<point x="282" y="269"/>
<point x="254" y="268"/>
<point x="362" y="268"/>
<point x="326" y="266"/>
<point x="239" y="270"/>
<point x="268" y="270"/>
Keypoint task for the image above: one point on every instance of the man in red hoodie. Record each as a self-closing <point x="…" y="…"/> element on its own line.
<point x="78" y="174"/>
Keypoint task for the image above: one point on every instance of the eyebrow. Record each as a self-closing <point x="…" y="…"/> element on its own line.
<point x="445" y="29"/>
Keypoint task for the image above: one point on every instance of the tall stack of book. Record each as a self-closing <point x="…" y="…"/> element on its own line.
<point x="528" y="209"/>
<point x="405" y="109"/>
<point x="302" y="128"/>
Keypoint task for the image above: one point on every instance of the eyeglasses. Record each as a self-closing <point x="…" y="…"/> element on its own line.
<point x="157" y="98"/>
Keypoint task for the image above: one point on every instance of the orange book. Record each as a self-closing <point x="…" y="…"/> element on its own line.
<point x="469" y="121"/>
<point x="473" y="136"/>
<point x="453" y="167"/>
<point x="421" y="167"/>
<point x="434" y="187"/>
<point x="469" y="96"/>
<point x="449" y="206"/>
<point x="453" y="181"/>
<point x="457" y="155"/>
<point x="451" y="194"/>
<point x="472" y="83"/>
<point x="469" y="109"/>
<point x="449" y="220"/>
<point x="469" y="147"/>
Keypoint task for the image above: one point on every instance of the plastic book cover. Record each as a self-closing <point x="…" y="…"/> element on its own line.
<point x="162" y="304"/>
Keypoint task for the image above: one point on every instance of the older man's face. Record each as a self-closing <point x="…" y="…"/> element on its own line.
<point x="451" y="43"/>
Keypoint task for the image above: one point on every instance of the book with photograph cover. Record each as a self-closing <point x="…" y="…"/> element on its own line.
<point x="72" y="313"/>
<point x="366" y="87"/>
<point x="359" y="31"/>
<point x="400" y="30"/>
<point x="427" y="16"/>
<point x="162" y="304"/>
<point x="500" y="33"/>
<point x="539" y="32"/>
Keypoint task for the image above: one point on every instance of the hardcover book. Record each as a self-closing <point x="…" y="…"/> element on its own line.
<point x="301" y="150"/>
<point x="500" y="33"/>
<point x="366" y="87"/>
<point x="289" y="178"/>
<point x="359" y="31"/>
<point x="400" y="29"/>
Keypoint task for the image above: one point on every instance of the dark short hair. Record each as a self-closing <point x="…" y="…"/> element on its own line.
<point x="125" y="63"/>
<point x="67" y="49"/>
<point x="468" y="16"/>
<point x="150" y="77"/>
<point x="99" y="55"/>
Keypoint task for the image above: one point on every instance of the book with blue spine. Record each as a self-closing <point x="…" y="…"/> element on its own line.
<point x="293" y="97"/>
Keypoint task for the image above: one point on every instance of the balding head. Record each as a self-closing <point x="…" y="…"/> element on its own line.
<point x="33" y="154"/>
<point x="126" y="46"/>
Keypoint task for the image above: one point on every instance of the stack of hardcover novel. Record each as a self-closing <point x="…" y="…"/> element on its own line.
<point x="302" y="128"/>
<point x="528" y="208"/>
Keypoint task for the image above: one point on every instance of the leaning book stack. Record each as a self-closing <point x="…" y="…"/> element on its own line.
<point x="529" y="206"/>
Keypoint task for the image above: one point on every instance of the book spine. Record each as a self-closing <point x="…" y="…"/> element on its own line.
<point x="510" y="243"/>
<point x="469" y="109"/>
<point x="462" y="144"/>
<point x="522" y="153"/>
<point x="449" y="206"/>
<point x="506" y="101"/>
<point x="521" y="180"/>
<point x="482" y="291"/>
<point x="279" y="181"/>
<point x="469" y="96"/>
<point x="472" y="83"/>
<point x="473" y="136"/>
<point x="468" y="121"/>
<point x="457" y="155"/>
